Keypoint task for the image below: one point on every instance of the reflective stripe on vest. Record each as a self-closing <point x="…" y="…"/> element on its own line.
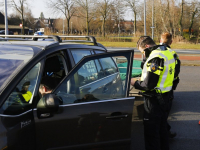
<point x="166" y="77"/>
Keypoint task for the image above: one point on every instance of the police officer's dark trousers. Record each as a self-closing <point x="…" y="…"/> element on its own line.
<point x="155" y="123"/>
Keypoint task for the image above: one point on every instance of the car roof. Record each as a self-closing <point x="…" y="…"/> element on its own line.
<point x="50" y="41"/>
<point x="39" y="44"/>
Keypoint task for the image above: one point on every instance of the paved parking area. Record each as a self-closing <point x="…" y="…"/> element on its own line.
<point x="184" y="116"/>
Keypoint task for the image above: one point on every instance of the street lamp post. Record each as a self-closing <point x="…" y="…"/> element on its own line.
<point x="6" y="19"/>
<point x="152" y="19"/>
<point x="119" y="24"/>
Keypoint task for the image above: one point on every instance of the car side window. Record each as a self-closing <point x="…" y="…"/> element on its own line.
<point x="89" y="84"/>
<point x="108" y="66"/>
<point x="87" y="73"/>
<point x="79" y="54"/>
<point x="21" y="97"/>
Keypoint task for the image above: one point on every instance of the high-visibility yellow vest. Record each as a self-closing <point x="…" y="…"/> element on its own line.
<point x="173" y="53"/>
<point x="166" y="73"/>
<point x="177" y="57"/>
<point x="27" y="96"/>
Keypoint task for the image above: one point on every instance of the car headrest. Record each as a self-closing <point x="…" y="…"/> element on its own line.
<point x="52" y="64"/>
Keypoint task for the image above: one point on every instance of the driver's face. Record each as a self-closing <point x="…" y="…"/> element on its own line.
<point x="42" y="90"/>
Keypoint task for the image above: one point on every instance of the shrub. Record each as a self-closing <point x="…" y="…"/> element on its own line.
<point x="186" y="36"/>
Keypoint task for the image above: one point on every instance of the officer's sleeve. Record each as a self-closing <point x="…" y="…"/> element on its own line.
<point x="178" y="66"/>
<point x="154" y="69"/>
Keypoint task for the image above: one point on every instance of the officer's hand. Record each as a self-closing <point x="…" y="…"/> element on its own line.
<point x="133" y="80"/>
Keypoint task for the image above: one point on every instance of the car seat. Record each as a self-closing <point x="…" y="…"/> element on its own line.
<point x="53" y="68"/>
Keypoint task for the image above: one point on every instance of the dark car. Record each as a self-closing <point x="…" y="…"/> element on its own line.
<point x="90" y="107"/>
<point x="3" y="32"/>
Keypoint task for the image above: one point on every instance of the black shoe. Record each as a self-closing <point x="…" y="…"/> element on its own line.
<point x="172" y="134"/>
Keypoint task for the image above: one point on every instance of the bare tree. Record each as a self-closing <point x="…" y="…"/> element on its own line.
<point x="163" y="13"/>
<point x="174" y="17"/>
<point x="194" y="6"/>
<point x="118" y="8"/>
<point x="104" y="8"/>
<point x="132" y="4"/>
<point x="65" y="7"/>
<point x="169" y="15"/>
<point x="86" y="11"/>
<point x="29" y="19"/>
<point x="20" y="7"/>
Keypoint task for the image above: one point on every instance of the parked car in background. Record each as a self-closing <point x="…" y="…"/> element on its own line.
<point x="89" y="108"/>
<point x="39" y="33"/>
<point x="2" y="32"/>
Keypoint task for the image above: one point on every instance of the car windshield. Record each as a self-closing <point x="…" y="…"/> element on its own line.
<point x="12" y="59"/>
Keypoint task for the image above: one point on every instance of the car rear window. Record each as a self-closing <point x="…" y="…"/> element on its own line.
<point x="12" y="59"/>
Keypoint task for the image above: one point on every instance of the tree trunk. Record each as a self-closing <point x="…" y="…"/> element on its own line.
<point x="169" y="17"/>
<point x="22" y="26"/>
<point x="103" y="28"/>
<point x="68" y="26"/>
<point x="192" y="21"/>
<point x="135" y="15"/>
<point x="22" y="15"/>
<point x="87" y="23"/>
<point x="162" y="18"/>
<point x="174" y="27"/>
<point x="180" y="20"/>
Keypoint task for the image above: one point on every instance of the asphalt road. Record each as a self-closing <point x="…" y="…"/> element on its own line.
<point x="184" y="116"/>
<point x="187" y="57"/>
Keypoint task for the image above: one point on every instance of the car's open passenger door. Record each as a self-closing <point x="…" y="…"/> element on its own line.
<point x="94" y="111"/>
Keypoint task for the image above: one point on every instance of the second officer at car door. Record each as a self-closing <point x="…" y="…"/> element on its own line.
<point x="166" y="40"/>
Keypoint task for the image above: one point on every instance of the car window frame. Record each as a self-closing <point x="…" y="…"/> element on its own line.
<point x="43" y="60"/>
<point x="71" y="59"/>
<point x="18" y="77"/>
<point x="96" y="56"/>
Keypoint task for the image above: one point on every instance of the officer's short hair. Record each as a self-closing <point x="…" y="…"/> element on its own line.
<point x="145" y="40"/>
<point x="166" y="38"/>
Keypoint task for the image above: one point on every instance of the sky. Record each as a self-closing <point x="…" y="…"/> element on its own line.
<point x="38" y="6"/>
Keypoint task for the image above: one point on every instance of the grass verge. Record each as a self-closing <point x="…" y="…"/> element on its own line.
<point x="133" y="44"/>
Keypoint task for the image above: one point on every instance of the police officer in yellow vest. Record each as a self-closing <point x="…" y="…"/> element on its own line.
<point x="156" y="83"/>
<point x="166" y="40"/>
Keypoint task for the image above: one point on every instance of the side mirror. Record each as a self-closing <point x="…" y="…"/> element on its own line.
<point x="49" y="103"/>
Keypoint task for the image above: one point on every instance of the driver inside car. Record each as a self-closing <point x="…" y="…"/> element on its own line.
<point x="24" y="96"/>
<point x="47" y="85"/>
<point x="25" y="93"/>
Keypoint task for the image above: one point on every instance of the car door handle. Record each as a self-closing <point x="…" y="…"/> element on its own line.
<point x="45" y="115"/>
<point x="117" y="117"/>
